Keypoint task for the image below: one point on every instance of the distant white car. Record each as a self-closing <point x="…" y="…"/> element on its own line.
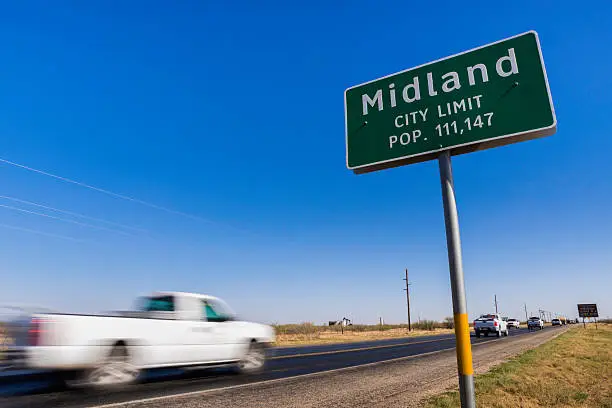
<point x="514" y="323"/>
<point x="535" y="323"/>
<point x="490" y="323"/>
<point x="556" y="322"/>
<point x="170" y="329"/>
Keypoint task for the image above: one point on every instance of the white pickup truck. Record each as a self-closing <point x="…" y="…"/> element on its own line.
<point x="535" y="323"/>
<point x="170" y="329"/>
<point x="490" y="323"/>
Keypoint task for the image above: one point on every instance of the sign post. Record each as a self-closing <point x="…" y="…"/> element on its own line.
<point x="453" y="244"/>
<point x="490" y="96"/>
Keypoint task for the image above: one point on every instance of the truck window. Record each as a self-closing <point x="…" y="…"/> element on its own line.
<point x="158" y="304"/>
<point x="215" y="312"/>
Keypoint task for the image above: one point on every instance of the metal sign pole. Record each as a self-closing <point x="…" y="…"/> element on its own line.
<point x="453" y="243"/>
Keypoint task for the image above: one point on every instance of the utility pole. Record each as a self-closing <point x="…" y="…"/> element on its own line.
<point x="526" y="317"/>
<point x="495" y="304"/>
<point x="408" y="299"/>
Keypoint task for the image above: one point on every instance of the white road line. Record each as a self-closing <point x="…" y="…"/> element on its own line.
<point x="277" y="380"/>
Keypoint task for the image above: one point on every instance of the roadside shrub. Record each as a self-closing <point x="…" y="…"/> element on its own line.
<point x="449" y="323"/>
<point x="302" y="328"/>
<point x="426" y="325"/>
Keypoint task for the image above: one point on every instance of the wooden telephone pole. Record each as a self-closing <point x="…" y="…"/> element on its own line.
<point x="408" y="299"/>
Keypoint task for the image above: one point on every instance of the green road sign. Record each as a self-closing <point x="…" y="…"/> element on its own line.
<point x="486" y="97"/>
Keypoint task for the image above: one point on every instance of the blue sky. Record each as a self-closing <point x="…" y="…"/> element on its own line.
<point x="234" y="115"/>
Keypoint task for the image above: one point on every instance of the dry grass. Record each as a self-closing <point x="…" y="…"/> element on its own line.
<point x="309" y="334"/>
<point x="573" y="370"/>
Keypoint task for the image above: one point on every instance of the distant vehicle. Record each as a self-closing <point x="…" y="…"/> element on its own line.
<point x="490" y="323"/>
<point x="514" y="323"/>
<point x="556" y="322"/>
<point x="535" y="323"/>
<point x="170" y="329"/>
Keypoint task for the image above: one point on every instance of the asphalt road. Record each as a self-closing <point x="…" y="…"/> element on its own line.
<point x="46" y="391"/>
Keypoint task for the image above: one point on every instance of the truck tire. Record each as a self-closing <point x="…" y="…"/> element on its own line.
<point x="254" y="361"/>
<point x="115" y="371"/>
<point x="477" y="333"/>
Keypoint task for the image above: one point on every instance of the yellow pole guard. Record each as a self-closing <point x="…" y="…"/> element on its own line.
<point x="464" y="347"/>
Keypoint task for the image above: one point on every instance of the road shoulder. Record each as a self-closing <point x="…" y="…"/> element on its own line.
<point x="405" y="382"/>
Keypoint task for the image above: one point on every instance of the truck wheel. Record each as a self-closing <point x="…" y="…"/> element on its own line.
<point x="116" y="370"/>
<point x="477" y="334"/>
<point x="486" y="334"/>
<point x="254" y="360"/>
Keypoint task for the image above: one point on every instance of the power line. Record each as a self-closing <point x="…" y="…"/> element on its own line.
<point x="113" y="194"/>
<point x="82" y="224"/>
<point x="14" y="227"/>
<point x="74" y="214"/>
